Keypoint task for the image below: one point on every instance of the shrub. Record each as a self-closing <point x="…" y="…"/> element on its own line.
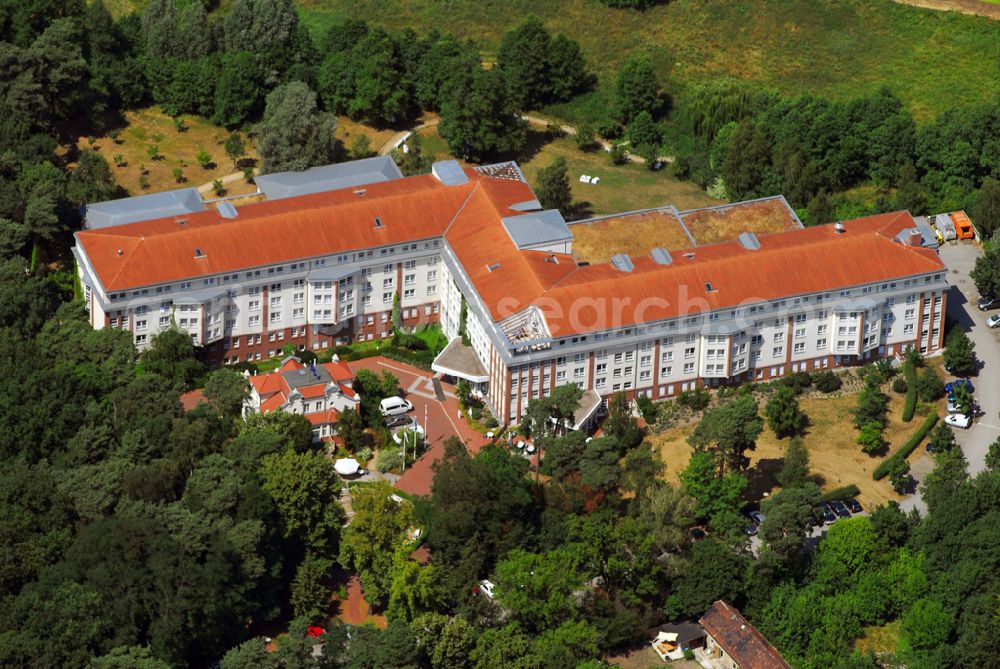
<point x="910" y="376"/>
<point x="647" y="408"/>
<point x="885" y="467"/>
<point x="618" y="154"/>
<point x="842" y="493"/>
<point x="798" y="381"/>
<point x="872" y="407"/>
<point x="827" y="382"/>
<point x="870" y="438"/>
<point x="899" y="385"/>
<point x="929" y="385"/>
<point x="389" y="458"/>
<point x="696" y="400"/>
<point x="899" y="475"/>
<point x="363" y="454"/>
<point x="783" y="413"/>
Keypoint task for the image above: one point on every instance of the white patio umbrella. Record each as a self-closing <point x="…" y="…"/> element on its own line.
<point x="346" y="466"/>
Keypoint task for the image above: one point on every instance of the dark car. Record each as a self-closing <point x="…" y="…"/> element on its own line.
<point x="826" y="514"/>
<point x="398" y="421"/>
<point x="988" y="302"/>
<point x="840" y="509"/>
<point x="698" y="533"/>
<point x="853" y="505"/>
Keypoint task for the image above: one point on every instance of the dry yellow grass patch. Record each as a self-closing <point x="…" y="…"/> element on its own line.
<point x="634" y="234"/>
<point x="834" y="454"/>
<point x="176" y="150"/>
<point x="716" y="225"/>
<point x="348" y="131"/>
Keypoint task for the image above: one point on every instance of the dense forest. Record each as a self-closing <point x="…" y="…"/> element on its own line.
<point x="135" y="534"/>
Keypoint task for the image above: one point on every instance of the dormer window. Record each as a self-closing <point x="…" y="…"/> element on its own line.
<point x="198" y="253"/>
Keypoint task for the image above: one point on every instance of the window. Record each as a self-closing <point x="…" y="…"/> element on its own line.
<point x="432" y="275"/>
<point x="909" y="314"/>
<point x="689" y="352"/>
<point x="600" y="383"/>
<point x="432" y="289"/>
<point x="140" y="339"/>
<point x="275" y="316"/>
<point x="164" y="321"/>
<point x="409" y="264"/>
<point x="409" y="279"/>
<point x="800" y="318"/>
<point x="386" y="298"/>
<point x="276" y="302"/>
<point x="800" y="333"/>
<point x="820" y="344"/>
<point x="778" y="351"/>
<point x="298" y="298"/>
<point x="602" y="367"/>
<point x="254" y="305"/>
<point x="688" y="367"/>
<point x="779" y="337"/>
<point x="387" y="282"/>
<point x="578" y="372"/>
<point x="667" y="356"/>
<point x="822" y="329"/>
<point x="666" y="371"/>
<point x="298" y="312"/>
<point x="408" y="293"/>
<point x="561" y="375"/>
<point x="908" y="328"/>
<point x="254" y="320"/>
<point x="140" y="325"/>
<point x="645" y="375"/>
<point x="800" y="347"/>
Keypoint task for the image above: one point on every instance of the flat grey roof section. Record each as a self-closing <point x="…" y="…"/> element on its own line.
<point x="329" y="274"/>
<point x="142" y="208"/>
<point x="308" y="376"/>
<point x="356" y="173"/>
<point x="449" y="172"/>
<point x="537" y="228"/>
<point x="200" y="296"/>
<point x="460" y="360"/>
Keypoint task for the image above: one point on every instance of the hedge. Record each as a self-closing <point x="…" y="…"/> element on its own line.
<point x="904" y="451"/>
<point x="842" y="493"/>
<point x="911" y="392"/>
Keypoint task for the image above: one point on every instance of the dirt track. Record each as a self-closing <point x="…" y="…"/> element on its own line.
<point x="974" y="7"/>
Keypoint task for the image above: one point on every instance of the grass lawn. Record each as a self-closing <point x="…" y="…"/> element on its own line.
<point x="838" y="48"/>
<point x="880" y="640"/>
<point x="833" y="451"/>
<point x="151" y="126"/>
<point x="348" y="131"/>
<point x="621" y="188"/>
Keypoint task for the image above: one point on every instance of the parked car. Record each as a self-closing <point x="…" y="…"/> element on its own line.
<point x="398" y="420"/>
<point x="394" y="406"/>
<point x="485" y="587"/>
<point x="756" y="519"/>
<point x="840" y="508"/>
<point x="951" y="386"/>
<point x="829" y="517"/>
<point x="993" y="321"/>
<point x="988" y="302"/>
<point x="952" y="406"/>
<point x="958" y="420"/>
<point x="853" y="505"/>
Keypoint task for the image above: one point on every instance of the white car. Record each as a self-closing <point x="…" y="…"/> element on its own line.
<point x="958" y="420"/>
<point x="993" y="321"/>
<point x="394" y="406"/>
<point x="486" y="587"/>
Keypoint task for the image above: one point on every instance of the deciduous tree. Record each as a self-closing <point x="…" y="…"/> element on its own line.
<point x="294" y="134"/>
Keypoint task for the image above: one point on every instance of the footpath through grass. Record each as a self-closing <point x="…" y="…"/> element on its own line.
<point x="837" y="48"/>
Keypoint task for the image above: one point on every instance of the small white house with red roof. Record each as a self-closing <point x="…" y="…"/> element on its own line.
<point x="320" y="392"/>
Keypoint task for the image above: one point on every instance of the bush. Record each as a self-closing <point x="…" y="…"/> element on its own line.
<point x="899" y="385"/>
<point x="696" y="400"/>
<point x="870" y="438"/>
<point x="910" y="376"/>
<point x="886" y="466"/>
<point x="842" y="493"/>
<point x="389" y="458"/>
<point x="647" y="408"/>
<point x="364" y="454"/>
<point x="798" y="381"/>
<point x="929" y="385"/>
<point x="827" y="382"/>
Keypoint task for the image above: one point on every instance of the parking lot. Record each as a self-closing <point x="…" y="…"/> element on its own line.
<point x="442" y="418"/>
<point x="975" y="441"/>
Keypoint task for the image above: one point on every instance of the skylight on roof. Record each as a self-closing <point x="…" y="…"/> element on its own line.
<point x="708" y="287"/>
<point x="494" y="267"/>
<point x="198" y="253"/>
<point x="378" y="222"/>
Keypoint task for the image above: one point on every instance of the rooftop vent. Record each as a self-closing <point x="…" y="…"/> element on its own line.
<point x="662" y="256"/>
<point x="709" y="287"/>
<point x="182" y="221"/>
<point x="583" y="263"/>
<point x="378" y="222"/>
<point x="552" y="259"/>
<point x="749" y="241"/>
<point x="120" y="252"/>
<point x="689" y="255"/>
<point x="838" y="227"/>
<point x="198" y="253"/>
<point x="361" y="191"/>
<point x="622" y="262"/>
<point x="494" y="267"/>
<point x="227" y="210"/>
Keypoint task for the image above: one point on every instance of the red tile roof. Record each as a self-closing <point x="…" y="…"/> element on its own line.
<point x="744" y="644"/>
<point x="575" y="300"/>
<point x="274" y="390"/>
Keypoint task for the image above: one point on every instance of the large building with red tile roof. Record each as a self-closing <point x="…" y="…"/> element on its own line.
<point x="750" y="294"/>
<point x="320" y="392"/>
<point x="732" y="642"/>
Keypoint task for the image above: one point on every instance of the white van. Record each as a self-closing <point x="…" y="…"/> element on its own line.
<point x="394" y="406"/>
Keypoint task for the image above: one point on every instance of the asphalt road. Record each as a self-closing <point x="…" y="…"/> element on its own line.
<point x="962" y="297"/>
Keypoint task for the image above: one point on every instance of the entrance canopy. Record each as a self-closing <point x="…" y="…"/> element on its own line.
<point x="589" y="403"/>
<point x="460" y="361"/>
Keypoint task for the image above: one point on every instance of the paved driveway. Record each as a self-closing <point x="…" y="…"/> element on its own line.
<point x="975" y="441"/>
<point x="442" y="419"/>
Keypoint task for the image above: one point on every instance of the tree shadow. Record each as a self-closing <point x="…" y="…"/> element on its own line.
<point x="579" y="210"/>
<point x="535" y="140"/>
<point x="762" y="477"/>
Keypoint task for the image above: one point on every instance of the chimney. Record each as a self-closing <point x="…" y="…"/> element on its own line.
<point x="914" y="238"/>
<point x="838" y="227"/>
